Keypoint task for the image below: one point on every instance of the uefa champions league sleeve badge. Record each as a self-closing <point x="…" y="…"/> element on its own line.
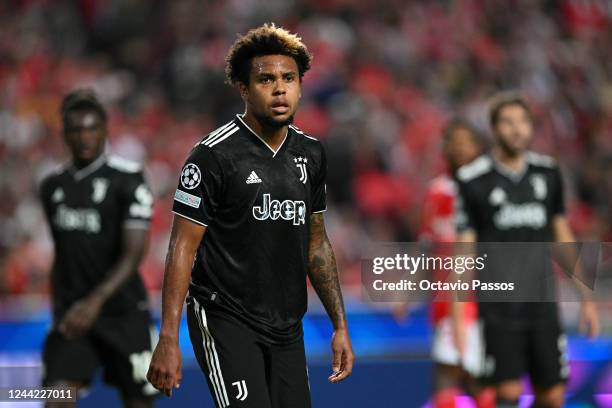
<point x="190" y="176"/>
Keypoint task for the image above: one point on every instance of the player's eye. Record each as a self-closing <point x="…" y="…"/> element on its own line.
<point x="265" y="80"/>
<point x="289" y="77"/>
<point x="75" y="131"/>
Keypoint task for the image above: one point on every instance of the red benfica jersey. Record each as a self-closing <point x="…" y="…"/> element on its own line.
<point x="438" y="225"/>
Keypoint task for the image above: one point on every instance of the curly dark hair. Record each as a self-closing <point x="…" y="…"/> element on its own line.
<point x="460" y="123"/>
<point x="267" y="39"/>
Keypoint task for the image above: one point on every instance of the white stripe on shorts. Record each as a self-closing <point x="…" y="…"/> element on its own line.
<point x="212" y="359"/>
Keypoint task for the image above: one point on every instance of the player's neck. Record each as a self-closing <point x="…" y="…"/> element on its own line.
<point x="514" y="162"/>
<point x="81" y="164"/>
<point x="273" y="136"/>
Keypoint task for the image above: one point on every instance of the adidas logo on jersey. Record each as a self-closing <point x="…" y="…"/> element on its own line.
<point x="253" y="178"/>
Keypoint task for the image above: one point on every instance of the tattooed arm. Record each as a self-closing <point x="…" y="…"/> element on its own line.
<point x="324" y="278"/>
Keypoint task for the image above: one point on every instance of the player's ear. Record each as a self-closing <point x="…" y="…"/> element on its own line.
<point x="244" y="90"/>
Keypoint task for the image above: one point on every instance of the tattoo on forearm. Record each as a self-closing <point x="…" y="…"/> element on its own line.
<point x="323" y="272"/>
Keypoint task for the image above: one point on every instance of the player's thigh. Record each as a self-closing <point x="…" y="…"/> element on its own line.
<point x="288" y="376"/>
<point x="548" y="364"/>
<point x="505" y="353"/>
<point x="68" y="361"/>
<point x="230" y="357"/>
<point x="126" y="344"/>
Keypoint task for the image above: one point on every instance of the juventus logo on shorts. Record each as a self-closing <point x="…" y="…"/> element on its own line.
<point x="242" y="390"/>
<point x="301" y="164"/>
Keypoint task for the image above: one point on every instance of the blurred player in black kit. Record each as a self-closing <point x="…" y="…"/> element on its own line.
<point x="98" y="208"/>
<point x="249" y="209"/>
<point x="514" y="195"/>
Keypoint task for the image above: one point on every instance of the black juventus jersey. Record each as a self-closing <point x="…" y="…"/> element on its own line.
<point x="87" y="210"/>
<point x="256" y="205"/>
<point x="505" y="207"/>
<point x="502" y="206"/>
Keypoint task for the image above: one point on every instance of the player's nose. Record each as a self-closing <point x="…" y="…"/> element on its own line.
<point x="279" y="87"/>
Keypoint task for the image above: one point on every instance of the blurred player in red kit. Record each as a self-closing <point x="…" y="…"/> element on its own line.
<point x="457" y="362"/>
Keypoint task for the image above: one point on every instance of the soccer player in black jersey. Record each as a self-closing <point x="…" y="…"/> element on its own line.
<point x="248" y="231"/>
<point x="98" y="208"/>
<point x="515" y="195"/>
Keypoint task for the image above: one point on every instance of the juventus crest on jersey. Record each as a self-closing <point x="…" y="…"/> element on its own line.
<point x="87" y="210"/>
<point x="256" y="204"/>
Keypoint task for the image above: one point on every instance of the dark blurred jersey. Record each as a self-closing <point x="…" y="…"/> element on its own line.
<point x="256" y="205"/>
<point x="513" y="208"/>
<point x="88" y="210"/>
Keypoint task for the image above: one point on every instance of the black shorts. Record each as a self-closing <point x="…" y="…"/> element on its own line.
<point x="122" y="346"/>
<point x="539" y="350"/>
<point x="243" y="371"/>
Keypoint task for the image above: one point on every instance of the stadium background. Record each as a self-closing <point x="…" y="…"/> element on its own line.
<point x="385" y="77"/>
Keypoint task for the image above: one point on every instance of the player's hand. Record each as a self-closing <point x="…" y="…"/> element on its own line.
<point x="400" y="312"/>
<point x="589" y="319"/>
<point x="165" y="370"/>
<point x="343" y="357"/>
<point x="458" y="333"/>
<point x="81" y="316"/>
<point x="458" y="330"/>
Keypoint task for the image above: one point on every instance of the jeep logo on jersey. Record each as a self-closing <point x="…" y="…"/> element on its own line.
<point x="287" y="210"/>
<point x="510" y="215"/>
<point x="190" y="176"/>
<point x="78" y="219"/>
<point x="300" y="163"/>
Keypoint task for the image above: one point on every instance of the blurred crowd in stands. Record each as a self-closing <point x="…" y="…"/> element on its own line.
<point x="386" y="76"/>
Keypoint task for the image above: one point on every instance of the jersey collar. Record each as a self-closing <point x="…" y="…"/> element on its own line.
<point x="514" y="175"/>
<point x="274" y="152"/>
<point x="80" y="174"/>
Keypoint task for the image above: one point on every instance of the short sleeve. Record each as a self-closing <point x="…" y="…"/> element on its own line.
<point x="464" y="209"/>
<point x="137" y="201"/>
<point x="199" y="188"/>
<point x="428" y="216"/>
<point x="438" y="212"/>
<point x="44" y="195"/>
<point x="319" y="188"/>
<point x="558" y="195"/>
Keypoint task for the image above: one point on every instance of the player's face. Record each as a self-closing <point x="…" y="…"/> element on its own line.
<point x="274" y="90"/>
<point x="85" y="134"/>
<point x="461" y="147"/>
<point x="513" y="130"/>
